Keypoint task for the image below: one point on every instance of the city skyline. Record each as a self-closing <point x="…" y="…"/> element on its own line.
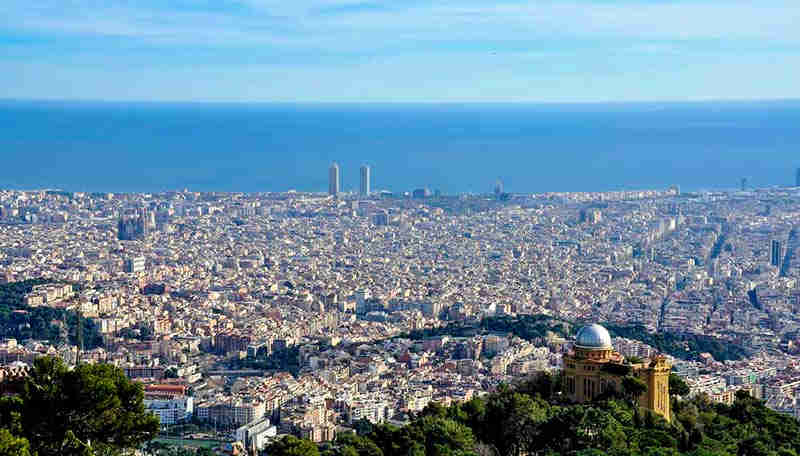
<point x="248" y="312"/>
<point x="456" y="149"/>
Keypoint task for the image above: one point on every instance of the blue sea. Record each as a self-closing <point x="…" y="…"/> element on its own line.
<point x="455" y="148"/>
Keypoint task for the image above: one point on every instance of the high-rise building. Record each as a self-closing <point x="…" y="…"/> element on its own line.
<point x="498" y="187"/>
<point x="777" y="253"/>
<point x="364" y="188"/>
<point x="333" y="179"/>
<point x="797" y="178"/>
<point x="134" y="265"/>
<point x="744" y="183"/>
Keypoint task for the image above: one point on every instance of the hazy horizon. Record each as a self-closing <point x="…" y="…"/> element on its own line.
<point x="456" y="148"/>
<point x="731" y="100"/>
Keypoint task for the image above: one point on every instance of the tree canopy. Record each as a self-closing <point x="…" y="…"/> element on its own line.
<point x="292" y="446"/>
<point x="92" y="409"/>
<point x="677" y="386"/>
<point x="533" y="419"/>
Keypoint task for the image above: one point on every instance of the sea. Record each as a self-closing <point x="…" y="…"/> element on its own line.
<point x="453" y="148"/>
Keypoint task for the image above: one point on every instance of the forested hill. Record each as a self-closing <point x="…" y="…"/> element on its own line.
<point x="22" y="322"/>
<point x="683" y="346"/>
<point x="531" y="327"/>
<point x="530" y="419"/>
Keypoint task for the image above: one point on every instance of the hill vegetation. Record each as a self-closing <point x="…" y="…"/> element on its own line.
<point x="683" y="346"/>
<point x="43" y="323"/>
<point x="529" y="419"/>
<point x="531" y="327"/>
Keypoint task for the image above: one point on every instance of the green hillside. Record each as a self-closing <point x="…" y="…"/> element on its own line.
<point x="22" y="322"/>
<point x="529" y="419"/>
<point x="531" y="327"/>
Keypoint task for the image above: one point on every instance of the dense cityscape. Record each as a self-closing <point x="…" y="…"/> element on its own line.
<point x="251" y="316"/>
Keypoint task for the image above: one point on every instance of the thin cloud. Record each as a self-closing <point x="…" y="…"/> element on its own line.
<point x="338" y="24"/>
<point x="408" y="50"/>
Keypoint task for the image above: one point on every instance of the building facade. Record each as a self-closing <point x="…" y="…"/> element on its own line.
<point x="232" y="413"/>
<point x="169" y="409"/>
<point x="594" y="368"/>
<point x="256" y="435"/>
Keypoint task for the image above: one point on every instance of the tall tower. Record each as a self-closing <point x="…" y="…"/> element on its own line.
<point x="364" y="188"/>
<point x="744" y="184"/>
<point x="333" y="179"/>
<point x="777" y="253"/>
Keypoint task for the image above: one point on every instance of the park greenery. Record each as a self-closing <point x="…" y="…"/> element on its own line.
<point x="282" y="359"/>
<point x="21" y="322"/>
<point x="88" y="410"/>
<point x="538" y="327"/>
<point x="527" y="327"/>
<point x="161" y="448"/>
<point x="532" y="419"/>
<point x="684" y="346"/>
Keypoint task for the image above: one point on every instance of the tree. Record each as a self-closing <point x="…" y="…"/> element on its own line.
<point x="543" y="384"/>
<point x="581" y="427"/>
<point x="356" y="445"/>
<point x="145" y="332"/>
<point x="171" y="372"/>
<point x="511" y="422"/>
<point x="677" y="386"/>
<point x="92" y="409"/>
<point x="292" y="446"/>
<point x="633" y="387"/>
<point x="591" y="452"/>
<point x="363" y="426"/>
<point x="440" y="437"/>
<point x="11" y="445"/>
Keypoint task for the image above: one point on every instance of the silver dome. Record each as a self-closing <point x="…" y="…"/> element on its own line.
<point x="593" y="336"/>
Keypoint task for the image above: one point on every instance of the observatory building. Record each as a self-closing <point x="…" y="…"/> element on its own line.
<point x="594" y="368"/>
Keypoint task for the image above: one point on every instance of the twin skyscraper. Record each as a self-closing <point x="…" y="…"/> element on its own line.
<point x="334" y="180"/>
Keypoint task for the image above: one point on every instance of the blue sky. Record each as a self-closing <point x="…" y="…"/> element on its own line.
<point x="400" y="50"/>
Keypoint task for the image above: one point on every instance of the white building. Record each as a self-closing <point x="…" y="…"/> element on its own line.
<point x="171" y="410"/>
<point x="255" y="435"/>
